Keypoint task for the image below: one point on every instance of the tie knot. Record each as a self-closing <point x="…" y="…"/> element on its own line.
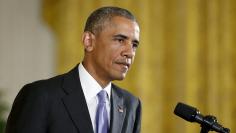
<point x="102" y="96"/>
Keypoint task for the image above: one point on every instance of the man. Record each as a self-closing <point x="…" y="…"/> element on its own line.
<point x="71" y="103"/>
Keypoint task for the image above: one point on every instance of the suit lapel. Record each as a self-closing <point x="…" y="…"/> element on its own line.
<point x="75" y="102"/>
<point x="118" y="111"/>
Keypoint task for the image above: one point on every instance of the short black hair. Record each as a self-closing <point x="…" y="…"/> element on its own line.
<point x="97" y="18"/>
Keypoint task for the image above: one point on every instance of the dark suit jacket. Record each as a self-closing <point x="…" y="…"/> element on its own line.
<point x="58" y="105"/>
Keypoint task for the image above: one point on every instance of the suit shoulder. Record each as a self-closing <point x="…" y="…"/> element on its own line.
<point x="44" y="86"/>
<point x="47" y="82"/>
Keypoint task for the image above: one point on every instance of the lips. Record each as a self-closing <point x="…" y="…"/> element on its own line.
<point x="125" y="63"/>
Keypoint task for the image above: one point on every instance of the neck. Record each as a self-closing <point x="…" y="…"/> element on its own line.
<point x="101" y="80"/>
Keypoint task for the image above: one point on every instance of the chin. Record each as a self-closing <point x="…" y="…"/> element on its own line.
<point x="120" y="77"/>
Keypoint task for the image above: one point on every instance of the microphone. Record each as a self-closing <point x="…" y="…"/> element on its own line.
<point x="192" y="114"/>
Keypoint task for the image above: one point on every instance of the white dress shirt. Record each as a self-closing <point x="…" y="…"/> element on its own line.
<point x="91" y="88"/>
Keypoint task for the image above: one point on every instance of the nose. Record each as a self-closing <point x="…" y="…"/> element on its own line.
<point x="128" y="51"/>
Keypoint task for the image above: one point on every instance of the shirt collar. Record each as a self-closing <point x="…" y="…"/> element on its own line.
<point x="89" y="85"/>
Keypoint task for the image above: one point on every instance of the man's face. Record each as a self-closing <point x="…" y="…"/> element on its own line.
<point x="115" y="48"/>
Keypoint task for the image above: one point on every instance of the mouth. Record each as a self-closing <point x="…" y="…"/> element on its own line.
<point x="125" y="65"/>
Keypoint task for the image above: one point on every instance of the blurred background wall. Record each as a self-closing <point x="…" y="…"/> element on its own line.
<point x="187" y="53"/>
<point x="26" y="48"/>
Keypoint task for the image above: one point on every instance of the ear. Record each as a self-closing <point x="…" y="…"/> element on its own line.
<point x="88" y="41"/>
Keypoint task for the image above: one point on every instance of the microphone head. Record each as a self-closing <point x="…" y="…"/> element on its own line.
<point x="186" y="112"/>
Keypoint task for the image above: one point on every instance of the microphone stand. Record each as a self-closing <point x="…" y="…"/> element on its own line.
<point x="211" y="121"/>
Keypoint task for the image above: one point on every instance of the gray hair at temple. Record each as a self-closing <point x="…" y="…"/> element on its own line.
<point x="96" y="20"/>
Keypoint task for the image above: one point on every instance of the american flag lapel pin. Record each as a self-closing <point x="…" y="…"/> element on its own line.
<point x="120" y="110"/>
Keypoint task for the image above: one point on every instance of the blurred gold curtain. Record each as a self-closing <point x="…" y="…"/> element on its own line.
<point x="187" y="54"/>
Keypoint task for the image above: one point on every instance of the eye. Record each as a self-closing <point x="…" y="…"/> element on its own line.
<point x="135" y="45"/>
<point x="120" y="40"/>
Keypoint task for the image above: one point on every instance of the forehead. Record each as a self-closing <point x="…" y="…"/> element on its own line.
<point x="122" y="25"/>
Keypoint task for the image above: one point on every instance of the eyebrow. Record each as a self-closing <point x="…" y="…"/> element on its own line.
<point x="121" y="36"/>
<point x="125" y="37"/>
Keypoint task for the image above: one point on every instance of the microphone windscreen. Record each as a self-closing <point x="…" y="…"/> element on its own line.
<point x="185" y="111"/>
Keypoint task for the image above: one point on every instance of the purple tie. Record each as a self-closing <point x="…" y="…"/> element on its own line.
<point x="101" y="116"/>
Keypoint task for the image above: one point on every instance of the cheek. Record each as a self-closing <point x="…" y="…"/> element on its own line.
<point x="110" y="52"/>
<point x="113" y="53"/>
<point x="107" y="57"/>
<point x="116" y="55"/>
